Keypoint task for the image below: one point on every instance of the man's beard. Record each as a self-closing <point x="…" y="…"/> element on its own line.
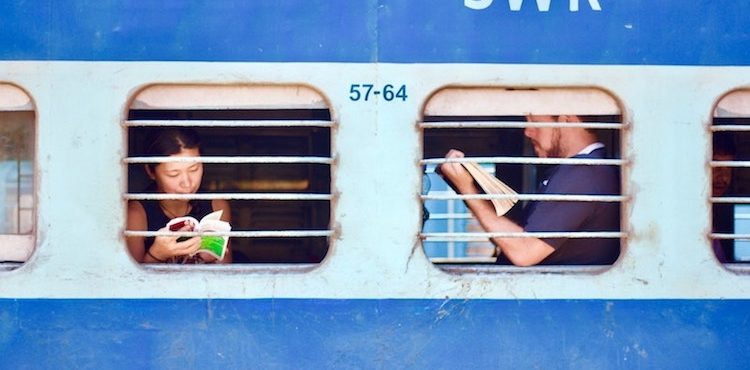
<point x="555" y="150"/>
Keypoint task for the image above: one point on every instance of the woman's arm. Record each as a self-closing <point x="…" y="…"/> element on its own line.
<point x="136" y="222"/>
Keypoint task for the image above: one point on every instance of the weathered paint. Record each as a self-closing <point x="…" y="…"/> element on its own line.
<point x="373" y="254"/>
<point x="374" y="334"/>
<point x="375" y="301"/>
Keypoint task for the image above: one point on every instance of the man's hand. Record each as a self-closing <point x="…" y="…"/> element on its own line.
<point x="455" y="174"/>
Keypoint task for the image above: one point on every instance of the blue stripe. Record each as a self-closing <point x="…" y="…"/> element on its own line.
<point x="315" y="333"/>
<point x="701" y="32"/>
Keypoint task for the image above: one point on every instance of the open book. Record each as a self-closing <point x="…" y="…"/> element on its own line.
<point x="492" y="185"/>
<point x="214" y="245"/>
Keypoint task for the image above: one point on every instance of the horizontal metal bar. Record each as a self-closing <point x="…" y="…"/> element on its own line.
<point x="477" y="259"/>
<point x="237" y="196"/>
<point x="503" y="269"/>
<point x="739" y="200"/>
<point x="517" y="124"/>
<point x="485" y="236"/>
<point x="730" y="163"/>
<point x="225" y="159"/>
<point x="239" y="234"/>
<point x="450" y="216"/>
<point x="526" y="160"/>
<point x="716" y="128"/>
<point x="230" y="123"/>
<point x="442" y="192"/>
<point x="541" y="197"/>
<point x="729" y="236"/>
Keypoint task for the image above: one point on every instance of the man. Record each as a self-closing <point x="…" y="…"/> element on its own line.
<point x="554" y="216"/>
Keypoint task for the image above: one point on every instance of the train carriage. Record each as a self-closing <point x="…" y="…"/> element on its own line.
<point x="322" y="123"/>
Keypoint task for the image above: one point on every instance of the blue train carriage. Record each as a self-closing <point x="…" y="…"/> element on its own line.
<point x="323" y="123"/>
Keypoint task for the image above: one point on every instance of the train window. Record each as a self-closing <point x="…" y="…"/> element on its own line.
<point x="730" y="178"/>
<point x="17" y="137"/>
<point x="265" y="151"/>
<point x="565" y="181"/>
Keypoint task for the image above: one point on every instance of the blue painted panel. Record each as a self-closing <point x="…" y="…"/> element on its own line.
<point x="704" y="32"/>
<point x="436" y="334"/>
<point x="223" y="30"/>
<point x="701" y="32"/>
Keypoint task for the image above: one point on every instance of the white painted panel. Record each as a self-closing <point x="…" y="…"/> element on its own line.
<point x="734" y="104"/>
<point x="488" y="101"/>
<point x="228" y="97"/>
<point x="13" y="98"/>
<point x="376" y="252"/>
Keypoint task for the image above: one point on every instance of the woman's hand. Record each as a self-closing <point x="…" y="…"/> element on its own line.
<point x="166" y="247"/>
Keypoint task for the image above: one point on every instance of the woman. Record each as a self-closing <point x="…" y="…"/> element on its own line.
<point x="177" y="178"/>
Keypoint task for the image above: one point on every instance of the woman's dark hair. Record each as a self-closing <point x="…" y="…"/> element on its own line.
<point x="166" y="142"/>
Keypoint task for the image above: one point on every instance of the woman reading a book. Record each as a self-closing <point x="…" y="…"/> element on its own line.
<point x="153" y="215"/>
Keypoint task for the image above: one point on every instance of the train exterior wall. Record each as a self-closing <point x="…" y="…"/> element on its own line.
<point x="376" y="301"/>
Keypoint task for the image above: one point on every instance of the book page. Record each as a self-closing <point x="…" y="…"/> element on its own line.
<point x="492" y="185"/>
<point x="215" y="245"/>
<point x="215" y="215"/>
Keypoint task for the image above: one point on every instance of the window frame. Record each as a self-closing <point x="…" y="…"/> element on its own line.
<point x="522" y="107"/>
<point x="17" y="249"/>
<point x="241" y="96"/>
<point x="734" y="104"/>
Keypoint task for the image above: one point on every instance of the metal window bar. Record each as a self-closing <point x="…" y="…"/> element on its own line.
<point x="729" y="236"/>
<point x="238" y="234"/>
<point x="479" y="236"/>
<point x="450" y="216"/>
<point x="526" y="160"/>
<point x="718" y="128"/>
<point x="540" y="197"/>
<point x="741" y="164"/>
<point x="229" y="123"/>
<point x="739" y="200"/>
<point x="235" y="196"/>
<point x="232" y="159"/>
<point x="521" y="124"/>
